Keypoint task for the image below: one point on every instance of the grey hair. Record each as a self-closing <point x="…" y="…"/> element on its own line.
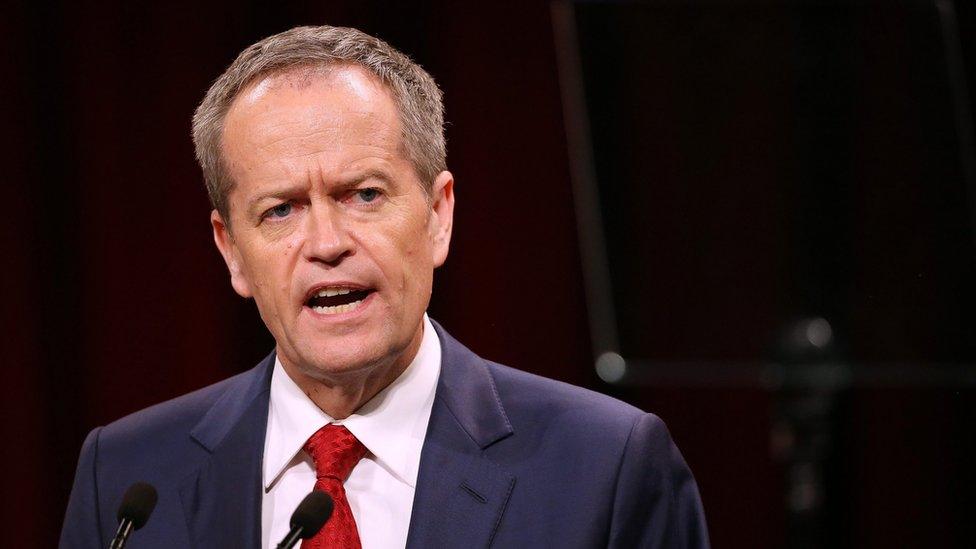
<point x="417" y="97"/>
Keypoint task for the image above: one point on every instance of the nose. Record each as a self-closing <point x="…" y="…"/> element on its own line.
<point x="327" y="239"/>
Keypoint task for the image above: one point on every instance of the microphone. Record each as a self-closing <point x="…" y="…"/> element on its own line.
<point x="137" y="504"/>
<point x="309" y="517"/>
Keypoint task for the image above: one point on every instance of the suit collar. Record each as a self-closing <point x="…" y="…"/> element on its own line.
<point x="233" y="404"/>
<point x="461" y="494"/>
<point x="460" y="497"/>
<point x="392" y="425"/>
<point x="222" y="499"/>
<point x="465" y="387"/>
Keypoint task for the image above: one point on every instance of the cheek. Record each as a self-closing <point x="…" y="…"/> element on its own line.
<point x="418" y="265"/>
<point x="287" y="257"/>
<point x="404" y="259"/>
<point x="403" y="232"/>
<point x="293" y="242"/>
<point x="416" y="252"/>
<point x="271" y="268"/>
<point x="415" y="236"/>
<point x="401" y="247"/>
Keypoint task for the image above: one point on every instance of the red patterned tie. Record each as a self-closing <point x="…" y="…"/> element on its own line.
<point x="335" y="451"/>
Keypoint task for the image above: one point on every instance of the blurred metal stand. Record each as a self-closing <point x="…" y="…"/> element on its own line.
<point x="807" y="385"/>
<point x="804" y="373"/>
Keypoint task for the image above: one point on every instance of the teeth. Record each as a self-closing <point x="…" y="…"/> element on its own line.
<point x="329" y="292"/>
<point x="338" y="309"/>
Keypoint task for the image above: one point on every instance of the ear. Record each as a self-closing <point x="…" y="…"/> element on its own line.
<point x="232" y="257"/>
<point x="442" y="215"/>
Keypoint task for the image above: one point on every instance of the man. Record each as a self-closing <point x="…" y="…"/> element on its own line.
<point x="324" y="158"/>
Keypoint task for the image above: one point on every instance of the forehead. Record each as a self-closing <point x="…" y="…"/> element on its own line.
<point x="306" y="107"/>
<point x="346" y="82"/>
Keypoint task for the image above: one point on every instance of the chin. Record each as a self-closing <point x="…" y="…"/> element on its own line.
<point x="325" y="367"/>
<point x="333" y="360"/>
<point x="363" y="351"/>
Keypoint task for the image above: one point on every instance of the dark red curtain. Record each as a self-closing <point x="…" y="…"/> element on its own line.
<point x="114" y="297"/>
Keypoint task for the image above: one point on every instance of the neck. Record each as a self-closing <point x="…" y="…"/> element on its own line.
<point x="341" y="394"/>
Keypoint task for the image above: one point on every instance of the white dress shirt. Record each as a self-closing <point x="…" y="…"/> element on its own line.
<point x="392" y="426"/>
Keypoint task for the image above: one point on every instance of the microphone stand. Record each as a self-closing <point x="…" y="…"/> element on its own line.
<point x="122" y="535"/>
<point x="291" y="539"/>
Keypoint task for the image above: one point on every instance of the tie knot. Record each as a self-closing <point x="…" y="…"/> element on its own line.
<point x="335" y="452"/>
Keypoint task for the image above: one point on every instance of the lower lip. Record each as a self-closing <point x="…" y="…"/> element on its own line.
<point x="336" y="317"/>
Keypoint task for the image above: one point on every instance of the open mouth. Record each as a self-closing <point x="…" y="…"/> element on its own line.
<point x="333" y="301"/>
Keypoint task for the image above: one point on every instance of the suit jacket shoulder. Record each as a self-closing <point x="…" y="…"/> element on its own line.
<point x="166" y="421"/>
<point x="619" y="450"/>
<point x="177" y="446"/>
<point x="510" y="460"/>
<point x="532" y="396"/>
<point x="517" y="460"/>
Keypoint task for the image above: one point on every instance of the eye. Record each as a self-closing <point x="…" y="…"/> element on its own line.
<point x="281" y="210"/>
<point x="368" y="195"/>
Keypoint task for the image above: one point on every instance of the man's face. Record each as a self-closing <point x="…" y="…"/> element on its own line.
<point x="330" y="230"/>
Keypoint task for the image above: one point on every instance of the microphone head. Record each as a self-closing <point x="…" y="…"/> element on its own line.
<point x="137" y="504"/>
<point x="312" y="513"/>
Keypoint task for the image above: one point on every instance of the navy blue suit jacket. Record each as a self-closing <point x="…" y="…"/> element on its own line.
<point x="510" y="460"/>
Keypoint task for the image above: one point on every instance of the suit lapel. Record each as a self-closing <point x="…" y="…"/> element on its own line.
<point x="461" y="495"/>
<point x="222" y="501"/>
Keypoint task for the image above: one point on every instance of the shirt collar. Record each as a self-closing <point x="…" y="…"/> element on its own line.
<point x="391" y="425"/>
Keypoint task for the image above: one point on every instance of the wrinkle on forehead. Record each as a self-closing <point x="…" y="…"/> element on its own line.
<point x="321" y="124"/>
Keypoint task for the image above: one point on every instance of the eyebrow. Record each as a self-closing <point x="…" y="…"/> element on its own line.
<point x="289" y="190"/>
<point x="369" y="173"/>
<point x="279" y="192"/>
